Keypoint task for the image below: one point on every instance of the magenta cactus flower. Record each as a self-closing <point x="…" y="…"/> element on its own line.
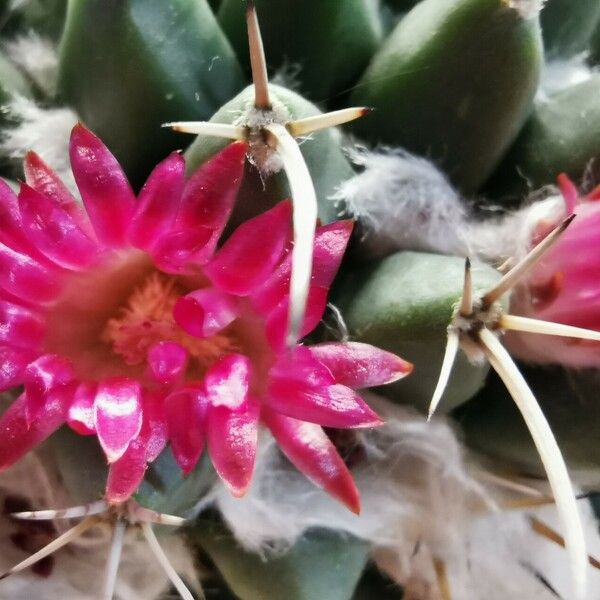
<point x="563" y="286"/>
<point x="132" y="323"/>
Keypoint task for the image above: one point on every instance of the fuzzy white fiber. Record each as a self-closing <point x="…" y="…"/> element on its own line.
<point x="502" y="557"/>
<point x="36" y="56"/>
<point x="44" y="130"/>
<point x="527" y="8"/>
<point x="404" y="202"/>
<point x="419" y="503"/>
<point x="413" y="484"/>
<point x="79" y="567"/>
<point x="560" y="74"/>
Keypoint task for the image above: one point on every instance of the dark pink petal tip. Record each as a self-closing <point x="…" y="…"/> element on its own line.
<point x="158" y="202"/>
<point x="310" y="450"/>
<point x="185" y="413"/>
<point x="168" y="362"/>
<point x="250" y="255"/>
<point x="232" y="442"/>
<point x="117" y="415"/>
<point x="205" y="312"/>
<point x="359" y="365"/>
<point x="330" y="406"/>
<point x="127" y="473"/>
<point x="19" y="435"/>
<point x="106" y="193"/>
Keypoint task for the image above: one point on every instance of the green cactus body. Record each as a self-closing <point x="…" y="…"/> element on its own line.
<point x="568" y="26"/>
<point x="322" y="564"/>
<point x="562" y="135"/>
<point x="569" y="399"/>
<point x="352" y="25"/>
<point x="594" y="56"/>
<point x="166" y="489"/>
<point x="454" y="81"/>
<point x="404" y="304"/>
<point x="127" y="67"/>
<point x="322" y="152"/>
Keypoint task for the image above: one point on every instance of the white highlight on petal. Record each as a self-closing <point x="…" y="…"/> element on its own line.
<point x="304" y="216"/>
<point x="550" y="455"/>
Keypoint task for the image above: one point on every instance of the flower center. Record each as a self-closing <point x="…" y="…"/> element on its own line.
<point x="108" y="319"/>
<point x="146" y="318"/>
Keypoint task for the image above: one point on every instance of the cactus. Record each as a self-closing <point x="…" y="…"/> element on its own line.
<point x="189" y="324"/>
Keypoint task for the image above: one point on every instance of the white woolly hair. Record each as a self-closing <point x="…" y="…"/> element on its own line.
<point x="76" y="569"/>
<point x="44" y="130"/>
<point x="413" y="483"/>
<point x="502" y="557"/>
<point x="527" y="8"/>
<point x="560" y="74"/>
<point x="38" y="58"/>
<point x="403" y="202"/>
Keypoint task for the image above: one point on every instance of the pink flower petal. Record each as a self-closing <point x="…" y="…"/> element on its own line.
<point x="127" y="473"/>
<point x="232" y="441"/>
<point x="54" y="232"/>
<point x="211" y="192"/>
<point x="205" y="312"/>
<point x="167" y="362"/>
<point x="249" y="256"/>
<point x="154" y="428"/>
<point x="207" y="201"/>
<point x="174" y="251"/>
<point x="359" y="365"/>
<point x="158" y="202"/>
<point x="12" y="366"/>
<point x="228" y="380"/>
<point x="81" y="412"/>
<point x="18" y="436"/>
<point x="299" y="364"/>
<point x="330" y="406"/>
<point x="312" y="453"/>
<point x="329" y="247"/>
<point x="277" y="321"/>
<point x="49" y="373"/>
<point x="11" y="232"/>
<point x="117" y="415"/>
<point x="185" y="413"/>
<point x="26" y="278"/>
<point x="20" y="327"/>
<point x="45" y="181"/>
<point x="105" y="191"/>
<point x="569" y="192"/>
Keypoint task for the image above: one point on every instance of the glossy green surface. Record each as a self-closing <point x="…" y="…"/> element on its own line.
<point x="404" y="304"/>
<point x="454" y="82"/>
<point x="127" y="66"/>
<point x="321" y="565"/>
<point x="326" y="44"/>
<point x="322" y="151"/>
